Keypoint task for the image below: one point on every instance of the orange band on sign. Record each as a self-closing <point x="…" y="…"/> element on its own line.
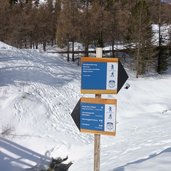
<point x="98" y="132"/>
<point x="99" y="101"/>
<point x="98" y="75"/>
<point x="91" y="59"/>
<point x="105" y="102"/>
<point x="84" y="91"/>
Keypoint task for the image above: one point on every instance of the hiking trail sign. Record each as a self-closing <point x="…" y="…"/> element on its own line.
<point x="99" y="76"/>
<point x="102" y="75"/>
<point x="98" y="116"/>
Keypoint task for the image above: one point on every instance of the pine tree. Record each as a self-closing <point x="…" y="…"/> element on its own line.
<point x="68" y="25"/>
<point x="99" y="22"/>
<point x="12" y="2"/>
<point x="86" y="34"/>
<point x="163" y="53"/>
<point x="140" y="36"/>
<point x="4" y="18"/>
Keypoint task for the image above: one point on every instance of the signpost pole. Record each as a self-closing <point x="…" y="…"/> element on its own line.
<point x="97" y="115"/>
<point x="99" y="52"/>
<point x="97" y="152"/>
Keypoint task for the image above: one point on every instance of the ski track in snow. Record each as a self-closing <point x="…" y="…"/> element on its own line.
<point x="38" y="93"/>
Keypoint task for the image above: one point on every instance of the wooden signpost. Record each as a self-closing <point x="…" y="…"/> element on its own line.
<point x="96" y="115"/>
<point x="99" y="54"/>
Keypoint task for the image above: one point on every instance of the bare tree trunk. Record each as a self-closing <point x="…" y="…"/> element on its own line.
<point x="36" y="45"/>
<point x="138" y="67"/>
<point x="137" y="61"/>
<point x="52" y="42"/>
<point x="86" y="50"/>
<point x="68" y="51"/>
<point x="113" y="50"/>
<point x="31" y="44"/>
<point x="73" y="59"/>
<point x="160" y="40"/>
<point x="44" y="45"/>
<point x="25" y="44"/>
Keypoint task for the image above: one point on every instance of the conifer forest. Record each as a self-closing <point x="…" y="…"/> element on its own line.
<point x="139" y="26"/>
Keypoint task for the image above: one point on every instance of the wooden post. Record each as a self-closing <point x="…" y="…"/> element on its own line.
<point x="96" y="152"/>
<point x="99" y="52"/>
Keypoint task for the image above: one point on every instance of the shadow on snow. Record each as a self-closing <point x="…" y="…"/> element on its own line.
<point x="14" y="157"/>
<point x="122" y="168"/>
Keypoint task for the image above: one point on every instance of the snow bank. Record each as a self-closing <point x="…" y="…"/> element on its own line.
<point x="4" y="46"/>
<point x="37" y="95"/>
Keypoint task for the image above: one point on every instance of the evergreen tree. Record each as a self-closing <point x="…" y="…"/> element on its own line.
<point x="86" y="29"/>
<point x="68" y="25"/>
<point x="13" y="2"/>
<point x="99" y="22"/>
<point x="4" y="18"/>
<point x="163" y="53"/>
<point x="140" y="33"/>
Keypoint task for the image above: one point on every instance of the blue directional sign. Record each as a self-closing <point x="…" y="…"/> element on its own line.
<point x="101" y="75"/>
<point x="90" y="75"/>
<point x="92" y="116"/>
<point x="97" y="116"/>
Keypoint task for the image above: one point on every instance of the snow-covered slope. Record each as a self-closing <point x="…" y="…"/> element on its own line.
<point x="4" y="46"/>
<point x="39" y="91"/>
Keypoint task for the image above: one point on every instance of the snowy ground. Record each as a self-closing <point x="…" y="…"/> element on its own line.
<point x="39" y="91"/>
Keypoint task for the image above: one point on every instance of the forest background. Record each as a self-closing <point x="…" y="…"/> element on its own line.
<point x="130" y="23"/>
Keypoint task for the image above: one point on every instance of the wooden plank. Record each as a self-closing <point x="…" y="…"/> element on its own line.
<point x="96" y="152"/>
<point x="99" y="101"/>
<point x="98" y="132"/>
<point x="91" y="59"/>
<point x="84" y="91"/>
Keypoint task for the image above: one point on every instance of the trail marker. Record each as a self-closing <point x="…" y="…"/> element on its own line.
<point x="102" y="75"/>
<point x="96" y="115"/>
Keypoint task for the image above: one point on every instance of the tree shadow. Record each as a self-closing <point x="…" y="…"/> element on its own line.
<point x="122" y="168"/>
<point x="14" y="157"/>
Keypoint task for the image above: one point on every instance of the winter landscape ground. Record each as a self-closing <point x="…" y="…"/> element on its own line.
<point x="38" y="92"/>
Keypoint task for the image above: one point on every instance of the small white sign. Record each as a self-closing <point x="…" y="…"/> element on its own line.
<point x="110" y="118"/>
<point x="112" y="76"/>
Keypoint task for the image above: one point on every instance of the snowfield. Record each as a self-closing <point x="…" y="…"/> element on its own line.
<point x="38" y="92"/>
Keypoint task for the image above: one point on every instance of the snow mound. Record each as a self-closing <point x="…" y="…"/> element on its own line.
<point x="38" y="92"/>
<point x="4" y="46"/>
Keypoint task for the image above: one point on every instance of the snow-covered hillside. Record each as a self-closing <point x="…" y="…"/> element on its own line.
<point x="38" y="91"/>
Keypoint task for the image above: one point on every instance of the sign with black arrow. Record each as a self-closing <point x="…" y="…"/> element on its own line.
<point x="76" y="114"/>
<point x="99" y="76"/>
<point x="97" y="116"/>
<point x="102" y="75"/>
